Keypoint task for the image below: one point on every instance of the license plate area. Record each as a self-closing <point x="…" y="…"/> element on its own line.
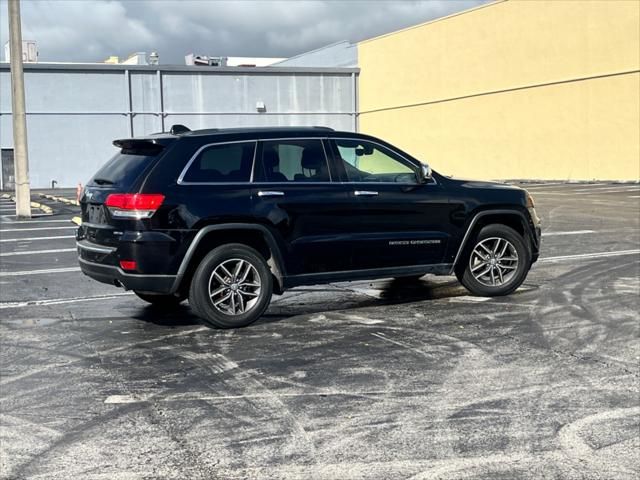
<point x="96" y="214"/>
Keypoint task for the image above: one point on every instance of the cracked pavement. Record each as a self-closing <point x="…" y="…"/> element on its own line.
<point x="360" y="380"/>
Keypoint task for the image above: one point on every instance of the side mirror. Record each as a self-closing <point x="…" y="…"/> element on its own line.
<point x="425" y="173"/>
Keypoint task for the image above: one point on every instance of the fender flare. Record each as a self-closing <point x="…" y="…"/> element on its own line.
<point x="268" y="237"/>
<point x="474" y="221"/>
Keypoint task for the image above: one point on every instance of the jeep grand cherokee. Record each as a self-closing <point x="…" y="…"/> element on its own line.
<point x="227" y="217"/>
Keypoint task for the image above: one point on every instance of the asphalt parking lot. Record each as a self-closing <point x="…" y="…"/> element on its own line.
<point x="380" y="380"/>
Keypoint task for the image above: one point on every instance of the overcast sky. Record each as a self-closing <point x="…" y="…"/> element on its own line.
<point x="91" y="30"/>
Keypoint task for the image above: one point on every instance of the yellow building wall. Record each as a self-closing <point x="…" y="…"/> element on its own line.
<point x="514" y="89"/>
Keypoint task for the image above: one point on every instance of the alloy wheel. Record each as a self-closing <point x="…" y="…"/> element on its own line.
<point x="494" y="261"/>
<point x="234" y="287"/>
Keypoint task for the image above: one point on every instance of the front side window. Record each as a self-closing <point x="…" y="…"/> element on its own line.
<point x="230" y="162"/>
<point x="367" y="162"/>
<point x="294" y="161"/>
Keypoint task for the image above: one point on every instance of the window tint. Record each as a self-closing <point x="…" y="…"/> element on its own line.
<point x="123" y="169"/>
<point x="366" y="162"/>
<point x="294" y="161"/>
<point x="231" y="162"/>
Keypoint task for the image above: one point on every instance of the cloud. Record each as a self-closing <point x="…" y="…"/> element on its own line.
<point x="91" y="30"/>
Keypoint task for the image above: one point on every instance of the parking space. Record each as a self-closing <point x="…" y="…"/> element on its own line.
<point x="381" y="379"/>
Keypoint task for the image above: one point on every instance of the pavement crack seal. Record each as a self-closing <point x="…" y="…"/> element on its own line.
<point x="558" y="353"/>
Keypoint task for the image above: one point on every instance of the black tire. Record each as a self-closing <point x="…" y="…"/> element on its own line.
<point x="203" y="279"/>
<point x="160" y="300"/>
<point x="512" y="278"/>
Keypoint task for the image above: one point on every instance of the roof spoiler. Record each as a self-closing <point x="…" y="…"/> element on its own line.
<point x="138" y="144"/>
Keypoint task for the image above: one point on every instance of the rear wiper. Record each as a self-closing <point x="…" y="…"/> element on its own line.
<point x="103" y="181"/>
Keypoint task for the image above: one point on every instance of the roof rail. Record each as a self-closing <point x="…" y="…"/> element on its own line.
<point x="178" y="129"/>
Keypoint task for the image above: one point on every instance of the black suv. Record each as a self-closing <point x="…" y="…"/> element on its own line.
<point x="227" y="217"/>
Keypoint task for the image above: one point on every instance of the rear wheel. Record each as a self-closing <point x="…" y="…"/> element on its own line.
<point x="497" y="263"/>
<point x="231" y="287"/>
<point x="160" y="300"/>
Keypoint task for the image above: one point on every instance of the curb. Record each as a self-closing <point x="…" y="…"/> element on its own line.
<point x="68" y="201"/>
<point x="39" y="206"/>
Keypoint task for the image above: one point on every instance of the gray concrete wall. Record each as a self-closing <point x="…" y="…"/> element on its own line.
<point x="340" y="54"/>
<point x="74" y="112"/>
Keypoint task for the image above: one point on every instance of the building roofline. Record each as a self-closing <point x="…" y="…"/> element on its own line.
<point x="435" y="20"/>
<point x="324" y="47"/>
<point x="181" y="68"/>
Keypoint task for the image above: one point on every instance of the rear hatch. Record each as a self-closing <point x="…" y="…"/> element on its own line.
<point x="122" y="174"/>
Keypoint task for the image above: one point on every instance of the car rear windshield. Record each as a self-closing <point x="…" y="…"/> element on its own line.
<point x="124" y="169"/>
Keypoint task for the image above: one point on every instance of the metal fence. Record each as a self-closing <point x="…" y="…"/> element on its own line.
<point x="75" y="111"/>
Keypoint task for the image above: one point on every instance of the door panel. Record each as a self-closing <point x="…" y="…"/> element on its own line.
<point x="293" y="194"/>
<point x="399" y="225"/>
<point x="311" y="221"/>
<point x="396" y="221"/>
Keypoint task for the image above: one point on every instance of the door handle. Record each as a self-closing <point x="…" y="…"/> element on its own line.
<point x="270" y="193"/>
<point x="365" y="193"/>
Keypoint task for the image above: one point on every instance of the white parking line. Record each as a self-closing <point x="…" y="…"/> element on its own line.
<point x="37" y="228"/>
<point x="574" y="232"/>
<point x="34" y="238"/>
<point x="208" y="396"/>
<point x="542" y="185"/>
<point x="12" y="222"/>
<point x="576" y="194"/>
<point x="60" y="301"/>
<point x="39" y="272"/>
<point x="537" y="193"/>
<point x="590" y="255"/>
<point x="627" y="190"/>
<point x="619" y="188"/>
<point x="38" y="252"/>
<point x="33" y="215"/>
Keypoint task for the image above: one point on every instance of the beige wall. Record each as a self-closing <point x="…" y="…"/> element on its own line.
<point x="515" y="89"/>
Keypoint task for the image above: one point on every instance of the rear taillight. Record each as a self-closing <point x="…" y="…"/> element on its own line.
<point x="128" y="264"/>
<point x="133" y="205"/>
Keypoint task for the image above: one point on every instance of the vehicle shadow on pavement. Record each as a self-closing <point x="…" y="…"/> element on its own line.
<point x="372" y="294"/>
<point x="181" y="316"/>
<point x="305" y="301"/>
<point x="308" y="301"/>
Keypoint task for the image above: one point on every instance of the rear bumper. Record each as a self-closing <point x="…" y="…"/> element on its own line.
<point x="116" y="276"/>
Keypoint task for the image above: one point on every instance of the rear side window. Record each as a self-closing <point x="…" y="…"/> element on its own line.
<point x="294" y="161"/>
<point x="228" y="162"/>
<point x="123" y="169"/>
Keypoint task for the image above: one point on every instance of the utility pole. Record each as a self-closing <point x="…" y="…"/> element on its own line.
<point x="18" y="115"/>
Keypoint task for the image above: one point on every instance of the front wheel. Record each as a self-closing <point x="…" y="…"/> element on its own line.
<point x="231" y="287"/>
<point x="497" y="264"/>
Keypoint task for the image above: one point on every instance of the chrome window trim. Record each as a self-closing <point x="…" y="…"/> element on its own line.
<point x="330" y="182"/>
<point x="215" y="144"/>
<point x="409" y="161"/>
